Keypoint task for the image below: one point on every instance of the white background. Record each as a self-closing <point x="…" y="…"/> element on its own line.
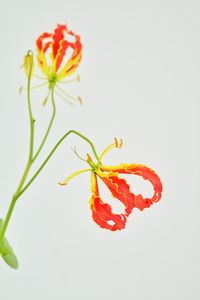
<point x="140" y="77"/>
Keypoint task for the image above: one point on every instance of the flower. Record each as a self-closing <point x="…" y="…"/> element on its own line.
<point x="102" y="212"/>
<point x="28" y="64"/>
<point x="61" y="43"/>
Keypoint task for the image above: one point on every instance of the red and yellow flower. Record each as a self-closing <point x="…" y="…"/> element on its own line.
<point x="58" y="53"/>
<point x="102" y="212"/>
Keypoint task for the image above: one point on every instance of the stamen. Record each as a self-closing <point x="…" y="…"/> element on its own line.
<point x="68" y="95"/>
<point x="46" y="98"/>
<point x="110" y="147"/>
<point x="73" y="175"/>
<point x="80" y="100"/>
<point x="21" y="89"/>
<point x="116" y="144"/>
<point x="40" y="77"/>
<point x="63" y="98"/>
<point x="77" y="79"/>
<point x="121" y="143"/>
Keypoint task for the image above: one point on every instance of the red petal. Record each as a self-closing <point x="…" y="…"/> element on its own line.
<point x="120" y="190"/>
<point x="147" y="174"/>
<point x="102" y="213"/>
<point x="58" y="37"/>
<point x="40" y="41"/>
<point x="59" y="45"/>
<point x="76" y="55"/>
<point x="63" y="47"/>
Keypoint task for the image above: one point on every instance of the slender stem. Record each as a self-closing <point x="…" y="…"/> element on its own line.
<point x="51" y="153"/>
<point x="5" y="223"/>
<point x="29" y="162"/>
<point x="32" y="121"/>
<point x="13" y="201"/>
<point x="49" y="127"/>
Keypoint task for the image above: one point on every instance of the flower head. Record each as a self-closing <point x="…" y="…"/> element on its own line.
<point x="102" y="212"/>
<point x="63" y="49"/>
<point x="28" y="64"/>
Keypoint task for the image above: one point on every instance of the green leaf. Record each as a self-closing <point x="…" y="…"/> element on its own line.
<point x="11" y="260"/>
<point x="7" y="253"/>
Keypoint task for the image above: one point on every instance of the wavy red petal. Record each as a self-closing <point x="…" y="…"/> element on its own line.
<point x="76" y="46"/>
<point x="147" y="174"/>
<point x="120" y="190"/>
<point x="58" y="37"/>
<point x="40" y="40"/>
<point x="59" y="45"/>
<point x="102" y="213"/>
<point x="63" y="47"/>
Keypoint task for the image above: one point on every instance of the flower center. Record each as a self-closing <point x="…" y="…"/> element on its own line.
<point x="52" y="80"/>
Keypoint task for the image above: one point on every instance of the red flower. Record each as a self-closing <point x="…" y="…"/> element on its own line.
<point x="102" y="212"/>
<point x="61" y="43"/>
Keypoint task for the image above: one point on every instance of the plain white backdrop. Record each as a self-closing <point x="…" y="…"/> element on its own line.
<point x="140" y="77"/>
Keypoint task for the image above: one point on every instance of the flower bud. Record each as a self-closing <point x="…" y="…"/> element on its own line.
<point x="28" y="63"/>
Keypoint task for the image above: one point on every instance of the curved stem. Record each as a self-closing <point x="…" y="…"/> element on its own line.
<point x="5" y="223"/>
<point x="51" y="153"/>
<point x="29" y="162"/>
<point x="49" y="127"/>
<point x="32" y="121"/>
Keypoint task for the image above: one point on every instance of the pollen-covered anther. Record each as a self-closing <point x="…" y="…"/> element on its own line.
<point x="89" y="158"/>
<point x="80" y="100"/>
<point x="21" y="89"/>
<point x="118" y="144"/>
<point x="45" y="101"/>
<point x="62" y="183"/>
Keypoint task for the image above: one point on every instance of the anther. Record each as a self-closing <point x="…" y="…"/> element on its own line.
<point x="21" y="89"/>
<point x="89" y="157"/>
<point x="121" y="143"/>
<point x="116" y="142"/>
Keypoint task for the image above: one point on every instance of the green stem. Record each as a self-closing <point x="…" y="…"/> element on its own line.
<point x="32" y="121"/>
<point x="53" y="150"/>
<point x="49" y="127"/>
<point x="12" y="204"/>
<point x="6" y="221"/>
<point x="29" y="162"/>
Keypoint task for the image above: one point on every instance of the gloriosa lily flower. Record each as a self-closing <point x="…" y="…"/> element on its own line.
<point x="102" y="212"/>
<point x="58" y="56"/>
<point x="59" y="43"/>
